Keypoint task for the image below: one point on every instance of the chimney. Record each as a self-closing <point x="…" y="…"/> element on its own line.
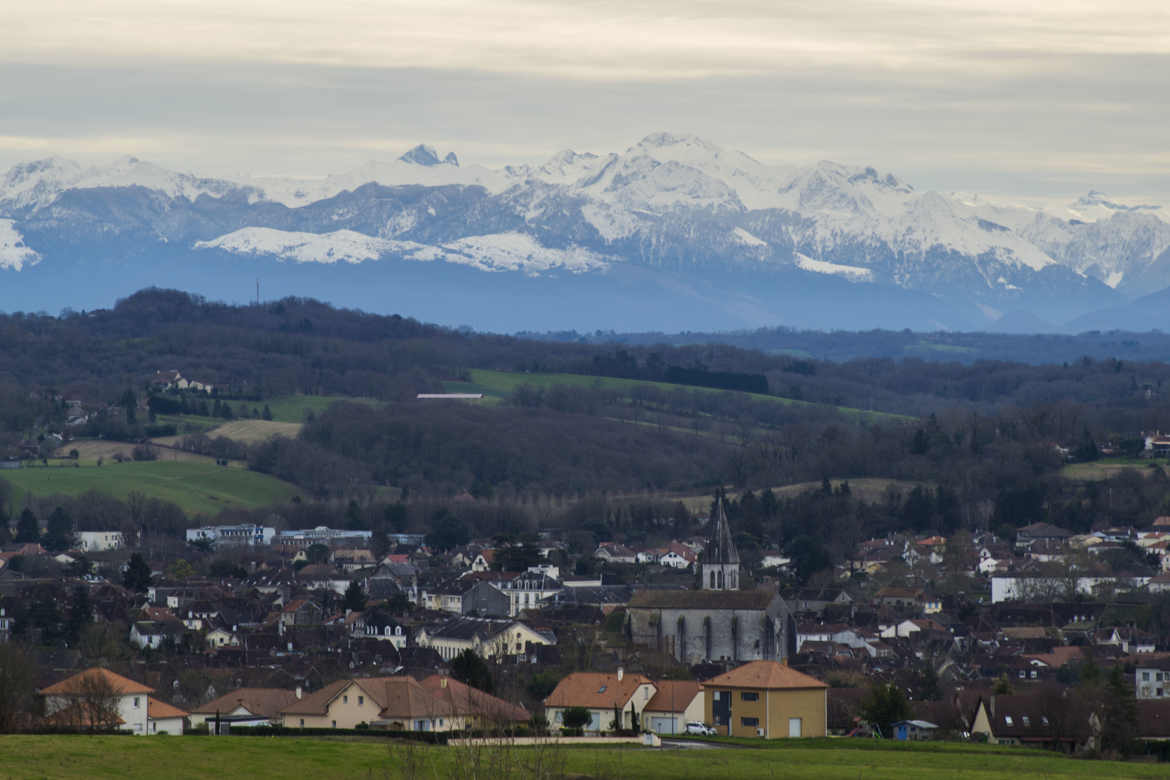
<point x="621" y="673"/>
<point x="300" y="692"/>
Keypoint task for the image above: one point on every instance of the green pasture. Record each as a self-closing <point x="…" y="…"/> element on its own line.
<point x="1098" y="470"/>
<point x="198" y="487"/>
<point x="294" y="408"/>
<point x="501" y="384"/>
<point x="69" y="757"/>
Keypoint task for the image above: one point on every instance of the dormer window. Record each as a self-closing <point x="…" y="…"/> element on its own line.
<point x="1007" y="719"/>
<point x="600" y="690"/>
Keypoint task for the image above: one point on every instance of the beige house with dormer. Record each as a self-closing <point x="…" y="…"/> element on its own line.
<point x="399" y="703"/>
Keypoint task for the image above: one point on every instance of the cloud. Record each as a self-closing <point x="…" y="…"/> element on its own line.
<point x="598" y="39"/>
<point x="1039" y="98"/>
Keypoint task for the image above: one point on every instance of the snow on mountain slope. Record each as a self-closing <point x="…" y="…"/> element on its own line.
<point x="564" y="168"/>
<point x="1114" y="250"/>
<point x="37" y="184"/>
<point x="850" y="272"/>
<point x="520" y="252"/>
<point x="420" y="165"/>
<point x="498" y="252"/>
<point x="14" y="255"/>
<point x="741" y="236"/>
<point x="341" y="246"/>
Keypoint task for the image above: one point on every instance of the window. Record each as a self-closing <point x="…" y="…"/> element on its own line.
<point x="750" y="722"/>
<point x="135" y="701"/>
<point x="1145" y="676"/>
<point x="1007" y="719"/>
<point x="361" y="700"/>
<point x="334" y="724"/>
<point x="749" y="696"/>
<point x="345" y="699"/>
<point x="1027" y="721"/>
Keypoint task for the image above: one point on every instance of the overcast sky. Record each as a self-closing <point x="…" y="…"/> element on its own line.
<point x="1041" y="99"/>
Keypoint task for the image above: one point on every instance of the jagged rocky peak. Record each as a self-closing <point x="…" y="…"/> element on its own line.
<point x="1098" y="198"/>
<point x="426" y="155"/>
<point x="889" y="180"/>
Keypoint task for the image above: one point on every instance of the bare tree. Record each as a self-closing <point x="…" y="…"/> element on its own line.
<point x="97" y="703"/>
<point x="16" y="688"/>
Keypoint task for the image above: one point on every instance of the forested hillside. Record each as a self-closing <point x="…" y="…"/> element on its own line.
<point x="598" y="438"/>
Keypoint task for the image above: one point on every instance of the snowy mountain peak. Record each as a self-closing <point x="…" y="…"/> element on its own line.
<point x="1097" y="198"/>
<point x="426" y="155"/>
<point x="663" y="139"/>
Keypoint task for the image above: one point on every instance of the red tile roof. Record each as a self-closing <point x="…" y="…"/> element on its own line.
<point x="595" y="690"/>
<point x="160" y="709"/>
<point x="77" y="684"/>
<point x="674" y="695"/>
<point x="771" y="675"/>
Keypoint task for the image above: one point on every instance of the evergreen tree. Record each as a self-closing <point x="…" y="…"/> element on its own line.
<point x="379" y="544"/>
<point x="58" y="531"/>
<point x="79" y="615"/>
<point x="27" y="527"/>
<point x="355" y="597"/>
<point x="1119" y="718"/>
<point x="137" y="576"/>
<point x="267" y="413"/>
<point x="469" y="668"/>
<point x="5" y="532"/>
<point x="353" y="516"/>
<point x="883" y="706"/>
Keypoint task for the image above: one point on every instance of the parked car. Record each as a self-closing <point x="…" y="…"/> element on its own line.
<point x="694" y="727"/>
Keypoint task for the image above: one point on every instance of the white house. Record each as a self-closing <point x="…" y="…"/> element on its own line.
<point x="99" y="541"/>
<point x="98" y="698"/>
<point x="677" y="703"/>
<point x="602" y="695"/>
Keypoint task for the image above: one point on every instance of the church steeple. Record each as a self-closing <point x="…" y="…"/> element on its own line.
<point x="720" y="570"/>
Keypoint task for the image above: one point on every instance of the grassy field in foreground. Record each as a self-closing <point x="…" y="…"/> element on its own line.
<point x="68" y="757"/>
<point x="504" y="383"/>
<point x="197" y="487"/>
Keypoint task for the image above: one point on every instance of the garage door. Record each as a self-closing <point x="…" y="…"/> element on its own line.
<point x="661" y="725"/>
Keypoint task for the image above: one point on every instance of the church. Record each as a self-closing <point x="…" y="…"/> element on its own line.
<point x="718" y="622"/>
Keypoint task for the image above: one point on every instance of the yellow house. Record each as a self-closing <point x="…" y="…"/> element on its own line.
<point x="767" y="699"/>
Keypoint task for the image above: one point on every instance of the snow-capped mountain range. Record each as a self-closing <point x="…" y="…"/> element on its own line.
<point x="682" y="231"/>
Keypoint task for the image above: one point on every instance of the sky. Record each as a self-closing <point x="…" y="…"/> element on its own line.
<point x="1033" y="100"/>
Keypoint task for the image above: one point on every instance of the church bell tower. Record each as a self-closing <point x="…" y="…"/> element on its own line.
<point x="720" y="568"/>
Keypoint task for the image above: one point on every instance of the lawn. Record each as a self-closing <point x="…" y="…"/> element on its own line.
<point x="199" y="487"/>
<point x="1095" y="471"/>
<point x="264" y="757"/>
<point x="255" y="431"/>
<point x="503" y="383"/>
<point x="294" y="408"/>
